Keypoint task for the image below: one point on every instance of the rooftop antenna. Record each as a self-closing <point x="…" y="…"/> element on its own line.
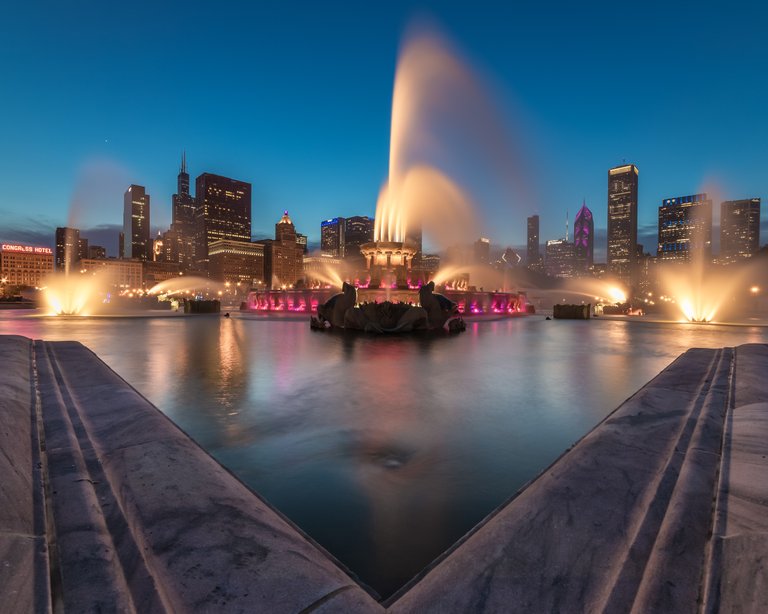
<point x="566" y="225"/>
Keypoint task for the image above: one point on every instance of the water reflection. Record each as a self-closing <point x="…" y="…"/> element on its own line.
<point x="385" y="450"/>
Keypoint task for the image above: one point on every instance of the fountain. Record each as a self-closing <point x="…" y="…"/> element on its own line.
<point x="438" y="109"/>
<point x="701" y="292"/>
<point x="74" y="294"/>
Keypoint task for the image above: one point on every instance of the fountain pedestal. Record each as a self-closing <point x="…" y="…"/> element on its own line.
<point x="388" y="262"/>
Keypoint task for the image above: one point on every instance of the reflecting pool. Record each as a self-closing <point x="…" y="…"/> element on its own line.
<point x="384" y="449"/>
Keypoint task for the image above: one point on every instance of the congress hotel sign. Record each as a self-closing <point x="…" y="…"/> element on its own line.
<point x="26" y="249"/>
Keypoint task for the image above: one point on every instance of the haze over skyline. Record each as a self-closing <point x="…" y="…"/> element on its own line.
<point x="296" y="100"/>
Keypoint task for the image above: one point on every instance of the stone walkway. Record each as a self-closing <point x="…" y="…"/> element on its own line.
<point x="105" y="505"/>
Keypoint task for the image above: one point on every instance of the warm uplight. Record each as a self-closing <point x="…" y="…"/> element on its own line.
<point x="617" y="294"/>
<point x="754" y="290"/>
<point x="72" y="294"/>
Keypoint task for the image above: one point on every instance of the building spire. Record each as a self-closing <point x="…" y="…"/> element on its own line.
<point x="183" y="161"/>
<point x="566" y="225"/>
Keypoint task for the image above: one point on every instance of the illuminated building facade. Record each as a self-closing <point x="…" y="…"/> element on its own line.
<point x="236" y="262"/>
<point x="739" y="229"/>
<point x="559" y="258"/>
<point x="283" y="257"/>
<point x="223" y="212"/>
<point x="685" y="228"/>
<point x="137" y="243"/>
<point x="67" y="249"/>
<point x="183" y="229"/>
<point x="583" y="240"/>
<point x="122" y="274"/>
<point x="24" y="265"/>
<point x="332" y="237"/>
<point x="155" y="272"/>
<point x="532" y="252"/>
<point x="622" y="223"/>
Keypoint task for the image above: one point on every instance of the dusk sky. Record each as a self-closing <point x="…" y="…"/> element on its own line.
<point x="295" y="98"/>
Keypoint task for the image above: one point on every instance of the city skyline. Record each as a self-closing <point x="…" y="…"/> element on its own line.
<point x="307" y="123"/>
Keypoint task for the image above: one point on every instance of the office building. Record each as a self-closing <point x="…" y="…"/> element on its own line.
<point x="138" y="244"/>
<point x="24" y="265"/>
<point x="223" y="212"/>
<point x="685" y="228"/>
<point x="122" y="275"/>
<point x="559" y="258"/>
<point x="236" y="262"/>
<point x="739" y="229"/>
<point x="482" y="251"/>
<point x="67" y="249"/>
<point x="332" y="237"/>
<point x="532" y="252"/>
<point x="183" y="224"/>
<point x="583" y="240"/>
<point x="622" y="223"/>
<point x="358" y="231"/>
<point x="283" y="257"/>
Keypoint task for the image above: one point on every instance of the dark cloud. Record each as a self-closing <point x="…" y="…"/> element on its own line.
<point x="34" y="231"/>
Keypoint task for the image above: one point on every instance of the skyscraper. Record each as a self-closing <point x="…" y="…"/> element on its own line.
<point x="685" y="228"/>
<point x="67" y="249"/>
<point x="583" y="239"/>
<point x="359" y="230"/>
<point x="136" y="223"/>
<point x="183" y="224"/>
<point x="622" y="223"/>
<point x="739" y="229"/>
<point x="532" y="254"/>
<point x="223" y="211"/>
<point x="482" y="251"/>
<point x="332" y="237"/>
<point x="559" y="258"/>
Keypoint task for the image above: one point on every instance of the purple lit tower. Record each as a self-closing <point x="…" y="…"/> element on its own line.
<point x="583" y="239"/>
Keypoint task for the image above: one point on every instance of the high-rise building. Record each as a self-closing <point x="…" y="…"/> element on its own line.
<point x="332" y="237"/>
<point x="685" y="228"/>
<point x="223" y="212"/>
<point x="559" y="262"/>
<point x="283" y="257"/>
<point x="583" y="239"/>
<point x="358" y="231"/>
<point x="739" y="229"/>
<point x="67" y="249"/>
<point x="183" y="222"/>
<point x="301" y="241"/>
<point x="532" y="253"/>
<point x="622" y="223"/>
<point x="82" y="248"/>
<point x="136" y="223"/>
<point x="482" y="251"/>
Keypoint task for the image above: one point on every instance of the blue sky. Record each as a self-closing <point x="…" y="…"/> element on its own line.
<point x="295" y="97"/>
